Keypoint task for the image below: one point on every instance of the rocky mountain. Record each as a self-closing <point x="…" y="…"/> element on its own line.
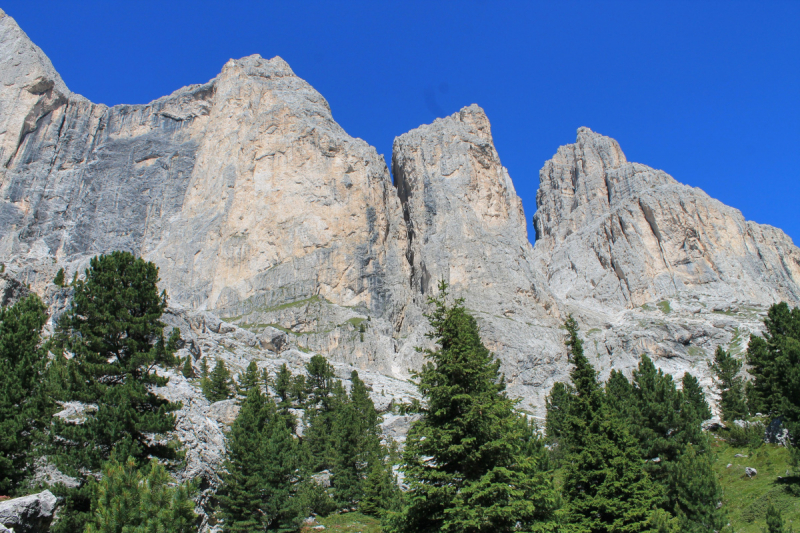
<point x="278" y="235"/>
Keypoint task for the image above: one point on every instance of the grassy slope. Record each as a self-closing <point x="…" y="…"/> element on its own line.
<point x="747" y="499"/>
<point x="347" y="523"/>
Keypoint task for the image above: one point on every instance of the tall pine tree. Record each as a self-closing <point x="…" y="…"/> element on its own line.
<point x="24" y="407"/>
<point x="605" y="484"/>
<point x="465" y="460"/>
<point x="261" y="463"/>
<point x="726" y="369"/>
<point x="774" y="361"/>
<point x="109" y="343"/>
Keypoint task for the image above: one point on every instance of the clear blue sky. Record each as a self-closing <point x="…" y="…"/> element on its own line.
<point x="707" y="91"/>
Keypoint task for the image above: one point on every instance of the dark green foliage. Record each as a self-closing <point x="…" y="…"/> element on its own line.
<point x="633" y="449"/>
<point x="130" y="500"/>
<point x="356" y="445"/>
<point x="774" y="361"/>
<point x="188" y="370"/>
<point x="283" y="384"/>
<point x="24" y="407"/>
<point x="588" y="398"/>
<point x="322" y="394"/>
<point x="694" y="396"/>
<point x="726" y="369"/>
<point x="114" y="335"/>
<point x="775" y="521"/>
<point x="696" y="493"/>
<point x="59" y="279"/>
<point x="204" y="368"/>
<point x="605" y="485"/>
<point x="256" y="489"/>
<point x="218" y="385"/>
<point x="465" y="461"/>
<point x="661" y="421"/>
<point x="249" y="379"/>
<point x="557" y="403"/>
<point x="381" y="493"/>
<point x="619" y="393"/>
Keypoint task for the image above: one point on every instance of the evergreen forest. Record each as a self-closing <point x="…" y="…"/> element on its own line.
<point x="79" y="416"/>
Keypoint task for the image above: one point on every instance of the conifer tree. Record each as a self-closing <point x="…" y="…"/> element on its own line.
<point x="132" y="500"/>
<point x="694" y="396"/>
<point x="605" y="484"/>
<point x="114" y="335"/>
<point x="557" y="404"/>
<point x="381" y="493"/>
<point x="256" y="489"/>
<point x="662" y="422"/>
<point x="775" y="522"/>
<point x="774" y="360"/>
<point x="730" y="384"/>
<point x="356" y="444"/>
<point x="59" y="279"/>
<point x="619" y="395"/>
<point x="464" y="460"/>
<point x="322" y="393"/>
<point x="248" y="379"/>
<point x="188" y="370"/>
<point x="218" y="386"/>
<point x="23" y="406"/>
<point x="696" y="493"/>
<point x="588" y="398"/>
<point x="283" y="384"/>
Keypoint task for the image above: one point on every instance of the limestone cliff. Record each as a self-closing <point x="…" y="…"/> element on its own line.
<point x="260" y="209"/>
<point x="620" y="234"/>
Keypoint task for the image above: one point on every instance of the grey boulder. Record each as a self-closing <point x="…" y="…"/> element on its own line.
<point x="28" y="514"/>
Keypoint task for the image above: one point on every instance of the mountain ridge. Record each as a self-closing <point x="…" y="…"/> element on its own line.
<point x="260" y="209"/>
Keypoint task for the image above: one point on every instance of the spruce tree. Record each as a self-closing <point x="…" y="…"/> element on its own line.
<point x="188" y="370"/>
<point x="322" y="393"/>
<point x="381" y="493"/>
<point x="694" y="396"/>
<point x="775" y="521"/>
<point x="730" y="384"/>
<point x="557" y="405"/>
<point x="605" y="484"/>
<point x="257" y="483"/>
<point x="696" y="493"/>
<point x="283" y="384"/>
<point x="59" y="279"/>
<point x="114" y="337"/>
<point x="248" y="379"/>
<point x="619" y="396"/>
<point x="588" y="399"/>
<point x="132" y="500"/>
<point x="661" y="421"/>
<point x="464" y="460"/>
<point x="218" y="386"/>
<point x="774" y="360"/>
<point x="356" y="443"/>
<point x="24" y="408"/>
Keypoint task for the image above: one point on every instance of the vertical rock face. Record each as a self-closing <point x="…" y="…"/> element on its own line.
<point x="260" y="209"/>
<point x="243" y="190"/>
<point x="466" y="225"/>
<point x="610" y="232"/>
